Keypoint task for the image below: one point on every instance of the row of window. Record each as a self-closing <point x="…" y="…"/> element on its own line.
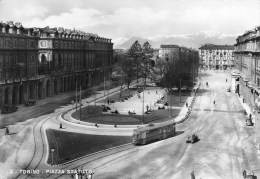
<point x="17" y="43"/>
<point x="73" y="45"/>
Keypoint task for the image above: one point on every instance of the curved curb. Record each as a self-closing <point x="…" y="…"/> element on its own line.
<point x="123" y="127"/>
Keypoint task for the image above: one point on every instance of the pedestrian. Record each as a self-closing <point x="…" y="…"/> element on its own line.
<point x="226" y="80"/>
<point x="60" y="125"/>
<point x="250" y="116"/>
<point x="186" y="105"/>
<point x="214" y="102"/>
<point x="192" y="175"/>
<point x="7" y="131"/>
<point x="156" y="92"/>
<point x="147" y="108"/>
<point x="108" y="101"/>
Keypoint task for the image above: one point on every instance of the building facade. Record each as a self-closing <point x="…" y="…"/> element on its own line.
<point x="216" y="56"/>
<point x="36" y="63"/>
<point x="171" y="53"/>
<point x="246" y="76"/>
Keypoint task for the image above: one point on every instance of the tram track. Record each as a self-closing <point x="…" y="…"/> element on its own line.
<point x="106" y="153"/>
<point x="41" y="145"/>
<point x="38" y="146"/>
<point x="80" y="162"/>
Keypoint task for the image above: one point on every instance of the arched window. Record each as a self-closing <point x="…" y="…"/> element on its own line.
<point x="43" y="58"/>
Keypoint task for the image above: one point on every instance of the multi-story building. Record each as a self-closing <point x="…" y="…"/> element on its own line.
<point x="171" y="53"/>
<point x="36" y="63"/>
<point x="246" y="77"/>
<point x="216" y="56"/>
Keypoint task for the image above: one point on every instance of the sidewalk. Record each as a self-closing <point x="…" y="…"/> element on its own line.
<point x="247" y="108"/>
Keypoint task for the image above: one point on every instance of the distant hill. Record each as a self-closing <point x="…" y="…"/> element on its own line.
<point x="192" y="40"/>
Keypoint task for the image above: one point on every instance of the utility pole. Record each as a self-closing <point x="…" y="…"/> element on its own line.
<point x="192" y="68"/>
<point x="104" y="88"/>
<point x="180" y="91"/>
<point x="120" y="88"/>
<point x="143" y="105"/>
<point x="76" y="95"/>
<point x="80" y="103"/>
<point x="171" y="104"/>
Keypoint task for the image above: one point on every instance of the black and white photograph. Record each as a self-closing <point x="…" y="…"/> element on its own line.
<point x="129" y="89"/>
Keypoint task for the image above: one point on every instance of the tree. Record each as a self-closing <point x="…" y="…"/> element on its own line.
<point x="135" y="52"/>
<point x="160" y="66"/>
<point x="147" y="63"/>
<point x="128" y="70"/>
<point x="175" y="72"/>
<point x="124" y="70"/>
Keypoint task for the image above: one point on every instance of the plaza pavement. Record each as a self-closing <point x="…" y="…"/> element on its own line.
<point x="53" y="122"/>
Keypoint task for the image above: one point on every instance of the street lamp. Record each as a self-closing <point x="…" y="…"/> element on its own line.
<point x="52" y="151"/>
<point x="80" y="103"/>
<point x="76" y="94"/>
<point x="180" y="91"/>
<point x="143" y="104"/>
<point x="171" y="102"/>
<point x="104" y="88"/>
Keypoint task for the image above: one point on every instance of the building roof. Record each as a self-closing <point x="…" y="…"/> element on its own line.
<point x="169" y="46"/>
<point x="217" y="47"/>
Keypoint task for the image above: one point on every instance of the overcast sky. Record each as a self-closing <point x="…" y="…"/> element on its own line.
<point x="145" y="18"/>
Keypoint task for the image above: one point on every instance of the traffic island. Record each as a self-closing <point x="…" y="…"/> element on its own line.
<point x="67" y="146"/>
<point x="94" y="114"/>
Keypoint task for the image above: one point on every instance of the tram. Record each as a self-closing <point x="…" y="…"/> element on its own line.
<point x="151" y="132"/>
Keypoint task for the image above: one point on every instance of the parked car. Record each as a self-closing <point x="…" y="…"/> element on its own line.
<point x="8" y="109"/>
<point x="249" y="122"/>
<point x="30" y="103"/>
<point x="192" y="139"/>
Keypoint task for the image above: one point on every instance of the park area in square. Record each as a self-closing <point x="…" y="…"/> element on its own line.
<point x="132" y="101"/>
<point x="74" y="145"/>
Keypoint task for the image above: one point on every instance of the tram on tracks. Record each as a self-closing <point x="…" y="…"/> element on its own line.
<point x="152" y="132"/>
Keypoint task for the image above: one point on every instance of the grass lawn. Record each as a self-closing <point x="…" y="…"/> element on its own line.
<point x="69" y="146"/>
<point x="93" y="114"/>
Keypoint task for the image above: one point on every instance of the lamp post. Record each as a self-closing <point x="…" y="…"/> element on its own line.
<point x="52" y="151"/>
<point x="104" y="88"/>
<point x="80" y="103"/>
<point x="143" y="105"/>
<point x="171" y="103"/>
<point x="76" y="94"/>
<point x="95" y="99"/>
<point x="180" y="91"/>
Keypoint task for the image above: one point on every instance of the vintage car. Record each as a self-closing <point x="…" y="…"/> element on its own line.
<point x="249" y="122"/>
<point x="29" y="103"/>
<point x="8" y="109"/>
<point x="192" y="139"/>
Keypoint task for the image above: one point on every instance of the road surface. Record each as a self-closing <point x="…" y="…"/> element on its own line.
<point x="225" y="149"/>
